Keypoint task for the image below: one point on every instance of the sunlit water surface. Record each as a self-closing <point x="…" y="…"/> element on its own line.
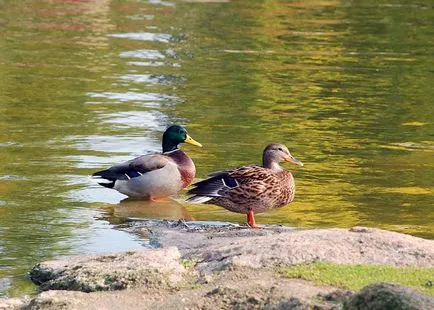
<point x="347" y="85"/>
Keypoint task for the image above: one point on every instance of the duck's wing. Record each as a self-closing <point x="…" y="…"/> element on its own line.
<point x="245" y="182"/>
<point x="241" y="169"/>
<point x="132" y="168"/>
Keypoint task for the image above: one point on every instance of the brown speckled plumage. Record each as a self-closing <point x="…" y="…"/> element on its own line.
<point x="259" y="189"/>
<point x="250" y="189"/>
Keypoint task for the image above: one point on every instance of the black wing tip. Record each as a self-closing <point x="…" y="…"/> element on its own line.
<point x="193" y="191"/>
<point x="108" y="185"/>
<point x="211" y="177"/>
<point x="190" y="198"/>
<point x="211" y="187"/>
<point x="99" y="173"/>
<point x="103" y="175"/>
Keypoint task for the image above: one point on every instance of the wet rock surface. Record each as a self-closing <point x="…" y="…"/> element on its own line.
<point x="203" y="265"/>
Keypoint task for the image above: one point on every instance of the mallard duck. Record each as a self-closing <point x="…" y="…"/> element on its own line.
<point x="250" y="189"/>
<point x="155" y="175"/>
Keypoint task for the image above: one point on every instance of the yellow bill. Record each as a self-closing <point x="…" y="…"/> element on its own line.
<point x="190" y="140"/>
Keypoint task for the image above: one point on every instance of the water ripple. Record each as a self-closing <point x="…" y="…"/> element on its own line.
<point x="132" y="96"/>
<point x="90" y="161"/>
<point x="143" y="54"/>
<point x="152" y="64"/>
<point x="141" y="17"/>
<point x="413" y="146"/>
<point x="5" y="284"/>
<point x="135" y="145"/>
<point x="143" y="36"/>
<point x="160" y="2"/>
<point x="152" y="78"/>
<point x="12" y="178"/>
<point x="140" y="78"/>
<point x="9" y="143"/>
<point x="153" y="120"/>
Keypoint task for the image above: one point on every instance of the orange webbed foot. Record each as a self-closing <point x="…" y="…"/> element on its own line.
<point x="251" y="219"/>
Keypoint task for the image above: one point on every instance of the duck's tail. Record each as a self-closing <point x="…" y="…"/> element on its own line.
<point x="104" y="178"/>
<point x="215" y="186"/>
<point x="199" y="199"/>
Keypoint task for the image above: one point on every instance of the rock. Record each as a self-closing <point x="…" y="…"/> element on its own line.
<point x="231" y="289"/>
<point x="379" y="296"/>
<point x="107" y="272"/>
<point x="206" y="266"/>
<point x="219" y="249"/>
<point x="12" y="303"/>
<point x="338" y="296"/>
<point x="53" y="300"/>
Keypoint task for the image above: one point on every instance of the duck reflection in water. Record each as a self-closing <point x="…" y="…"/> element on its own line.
<point x="168" y="209"/>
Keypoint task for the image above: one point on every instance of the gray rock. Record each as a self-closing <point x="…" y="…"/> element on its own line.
<point x="219" y="249"/>
<point x="108" y="272"/>
<point x="156" y="279"/>
<point x="12" y="303"/>
<point x="235" y="289"/>
<point x="384" y="296"/>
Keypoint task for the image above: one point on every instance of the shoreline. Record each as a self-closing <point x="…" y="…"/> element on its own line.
<point x="201" y="265"/>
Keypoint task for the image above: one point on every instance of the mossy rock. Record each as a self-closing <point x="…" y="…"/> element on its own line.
<point x="387" y="296"/>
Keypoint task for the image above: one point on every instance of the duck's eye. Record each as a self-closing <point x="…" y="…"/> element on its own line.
<point x="280" y="149"/>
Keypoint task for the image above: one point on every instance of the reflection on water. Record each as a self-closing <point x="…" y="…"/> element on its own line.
<point x="87" y="84"/>
<point x="162" y="209"/>
<point x="151" y="120"/>
<point x="151" y="78"/>
<point x="143" y="36"/>
<point x="133" y="96"/>
<point x="143" y="54"/>
<point x="151" y="64"/>
<point x="110" y="143"/>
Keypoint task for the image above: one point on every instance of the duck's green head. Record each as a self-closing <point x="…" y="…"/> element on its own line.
<point x="175" y="135"/>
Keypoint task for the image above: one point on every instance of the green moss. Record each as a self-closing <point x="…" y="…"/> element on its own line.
<point x="189" y="263"/>
<point x="354" y="277"/>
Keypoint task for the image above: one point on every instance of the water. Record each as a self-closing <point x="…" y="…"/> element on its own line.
<point x="347" y="85"/>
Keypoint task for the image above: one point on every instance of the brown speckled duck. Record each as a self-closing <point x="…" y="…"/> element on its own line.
<point x="250" y="189"/>
<point x="154" y="176"/>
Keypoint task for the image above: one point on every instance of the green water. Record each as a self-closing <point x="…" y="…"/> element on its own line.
<point x="347" y="85"/>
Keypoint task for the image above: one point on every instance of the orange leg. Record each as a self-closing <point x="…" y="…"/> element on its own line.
<point x="251" y="219"/>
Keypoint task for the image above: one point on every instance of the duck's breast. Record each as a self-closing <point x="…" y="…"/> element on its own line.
<point x="186" y="166"/>
<point x="287" y="187"/>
